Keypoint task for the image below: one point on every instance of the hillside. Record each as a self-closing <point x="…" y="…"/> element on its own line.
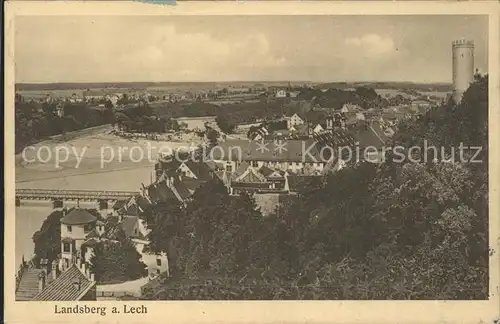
<point x="400" y="230"/>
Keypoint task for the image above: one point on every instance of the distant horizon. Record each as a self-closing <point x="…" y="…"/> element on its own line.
<point x="300" y="82"/>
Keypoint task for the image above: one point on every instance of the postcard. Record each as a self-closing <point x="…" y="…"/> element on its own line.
<point x="277" y="162"/>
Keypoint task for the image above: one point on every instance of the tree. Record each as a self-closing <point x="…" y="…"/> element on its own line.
<point x="47" y="239"/>
<point x="212" y="137"/>
<point x="391" y="231"/>
<point x="166" y="224"/>
<point x="115" y="262"/>
<point x="224" y="124"/>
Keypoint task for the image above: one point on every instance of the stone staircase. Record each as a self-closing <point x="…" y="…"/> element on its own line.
<point x="28" y="285"/>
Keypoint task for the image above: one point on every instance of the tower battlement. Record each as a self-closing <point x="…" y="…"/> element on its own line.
<point x="463" y="42"/>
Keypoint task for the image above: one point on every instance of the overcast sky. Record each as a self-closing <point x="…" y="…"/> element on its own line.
<point x="242" y="48"/>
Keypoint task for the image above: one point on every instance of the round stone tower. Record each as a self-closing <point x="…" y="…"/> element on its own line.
<point x="463" y="67"/>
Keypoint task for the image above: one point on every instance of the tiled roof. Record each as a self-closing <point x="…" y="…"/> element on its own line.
<point x="115" y="233"/>
<point x="377" y="129"/>
<point x="132" y="210"/>
<point x="169" y="166"/>
<point x="337" y="138"/>
<point x="368" y="138"/>
<point x="220" y="174"/>
<point x="200" y="169"/>
<point x="78" y="216"/>
<point x="91" y="242"/>
<point x="240" y="170"/>
<point x="128" y="224"/>
<point x="214" y="166"/>
<point x="93" y="233"/>
<point x="119" y="204"/>
<point x="301" y="129"/>
<point x="266" y="171"/>
<point x="182" y="190"/>
<point x="63" y="287"/>
<point x="142" y="202"/>
<point x="252" y="176"/>
<point x="249" y="185"/>
<point x="112" y="220"/>
<point x="160" y="192"/>
<point x="253" y="151"/>
<point x="192" y="184"/>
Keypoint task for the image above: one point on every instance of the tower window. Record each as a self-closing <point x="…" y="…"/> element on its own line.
<point x="69" y="229"/>
<point x="66" y="247"/>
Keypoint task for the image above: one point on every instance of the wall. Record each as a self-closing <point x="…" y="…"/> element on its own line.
<point x="91" y="294"/>
<point x="149" y="260"/>
<point x="77" y="233"/>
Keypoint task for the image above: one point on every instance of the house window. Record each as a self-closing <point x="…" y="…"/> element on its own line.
<point x="158" y="262"/>
<point x="69" y="229"/>
<point x="254" y="163"/>
<point x="229" y="168"/>
<point x="157" y="271"/>
<point x="66" y="247"/>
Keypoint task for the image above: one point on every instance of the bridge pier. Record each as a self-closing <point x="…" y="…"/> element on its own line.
<point x="105" y="207"/>
<point x="57" y="203"/>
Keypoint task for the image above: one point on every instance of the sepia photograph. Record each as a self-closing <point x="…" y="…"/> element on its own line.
<point x="306" y="157"/>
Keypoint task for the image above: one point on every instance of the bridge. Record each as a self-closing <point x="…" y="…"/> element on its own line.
<point x="63" y="194"/>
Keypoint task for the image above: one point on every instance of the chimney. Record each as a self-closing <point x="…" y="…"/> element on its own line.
<point x="76" y="284"/>
<point x="79" y="262"/>
<point x="54" y="269"/>
<point x="41" y="281"/>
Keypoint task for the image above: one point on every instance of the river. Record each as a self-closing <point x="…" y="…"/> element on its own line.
<point x="120" y="172"/>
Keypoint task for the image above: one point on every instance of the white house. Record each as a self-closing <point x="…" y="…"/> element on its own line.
<point x="318" y="129"/>
<point x="294" y="120"/>
<point x="281" y="94"/>
<point x="75" y="227"/>
<point x="360" y="116"/>
<point x="294" y="156"/>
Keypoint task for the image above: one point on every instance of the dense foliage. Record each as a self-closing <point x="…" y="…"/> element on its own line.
<point x="35" y="121"/>
<point x="391" y="231"/>
<point x="47" y="239"/>
<point x="224" y="124"/>
<point x="117" y="261"/>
